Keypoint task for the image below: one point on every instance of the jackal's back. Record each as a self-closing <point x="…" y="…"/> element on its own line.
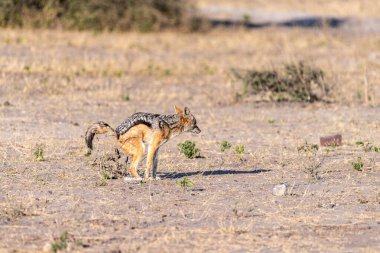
<point x="148" y="119"/>
<point x="152" y="120"/>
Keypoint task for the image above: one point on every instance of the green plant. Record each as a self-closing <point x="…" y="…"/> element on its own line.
<point x="185" y="183"/>
<point x="313" y="166"/>
<point x="239" y="149"/>
<point x="368" y="146"/>
<point x="224" y="145"/>
<point x="312" y="160"/>
<point x="39" y="153"/>
<point x="27" y="69"/>
<point x="118" y="73"/>
<point x="358" y="164"/>
<point x="60" y="243"/>
<point x="297" y="82"/>
<point x="189" y="149"/>
<point x="126" y="98"/>
<point x="104" y="177"/>
<point x="246" y="19"/>
<point x="359" y="143"/>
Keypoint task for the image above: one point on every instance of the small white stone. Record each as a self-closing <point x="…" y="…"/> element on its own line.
<point x="132" y="179"/>
<point x="279" y="190"/>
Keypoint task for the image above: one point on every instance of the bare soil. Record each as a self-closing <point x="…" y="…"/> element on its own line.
<point x="54" y="84"/>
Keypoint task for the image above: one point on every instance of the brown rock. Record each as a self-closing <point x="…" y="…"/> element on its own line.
<point x="332" y="140"/>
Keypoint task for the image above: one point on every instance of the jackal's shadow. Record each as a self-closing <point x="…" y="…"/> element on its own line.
<point x="174" y="175"/>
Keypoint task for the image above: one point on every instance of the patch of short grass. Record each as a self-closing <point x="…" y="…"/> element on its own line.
<point x="358" y="164"/>
<point x="60" y="243"/>
<point x="308" y="148"/>
<point x="225" y="145"/>
<point x="15" y="212"/>
<point x="39" y="153"/>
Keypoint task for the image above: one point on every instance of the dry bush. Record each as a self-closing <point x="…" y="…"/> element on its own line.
<point x="297" y="82"/>
<point x="142" y="15"/>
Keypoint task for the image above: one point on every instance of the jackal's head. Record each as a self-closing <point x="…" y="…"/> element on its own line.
<point x="187" y="120"/>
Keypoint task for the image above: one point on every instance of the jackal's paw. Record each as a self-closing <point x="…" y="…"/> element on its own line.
<point x="132" y="179"/>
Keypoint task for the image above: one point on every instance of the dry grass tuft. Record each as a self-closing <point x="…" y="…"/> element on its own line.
<point x="298" y="82"/>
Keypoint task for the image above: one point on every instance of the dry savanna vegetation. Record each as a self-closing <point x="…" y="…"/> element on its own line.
<point x="256" y="179"/>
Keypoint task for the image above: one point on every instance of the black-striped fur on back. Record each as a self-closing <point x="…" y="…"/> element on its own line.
<point x="152" y="120"/>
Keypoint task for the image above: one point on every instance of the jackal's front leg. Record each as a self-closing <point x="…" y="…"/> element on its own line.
<point x="155" y="163"/>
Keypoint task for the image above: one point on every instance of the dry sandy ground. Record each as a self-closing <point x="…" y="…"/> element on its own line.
<point x="57" y="83"/>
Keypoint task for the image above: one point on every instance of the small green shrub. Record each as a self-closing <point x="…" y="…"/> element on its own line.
<point x="189" y="149"/>
<point x="246" y="18"/>
<point x="39" y="153"/>
<point x="224" y="145"/>
<point x="358" y="164"/>
<point x="185" y="183"/>
<point x="60" y="243"/>
<point x="118" y="73"/>
<point x="239" y="149"/>
<point x="297" y="82"/>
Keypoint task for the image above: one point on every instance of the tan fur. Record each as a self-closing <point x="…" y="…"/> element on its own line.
<point x="132" y="143"/>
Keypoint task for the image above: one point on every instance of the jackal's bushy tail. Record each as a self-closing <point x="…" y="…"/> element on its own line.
<point x="99" y="127"/>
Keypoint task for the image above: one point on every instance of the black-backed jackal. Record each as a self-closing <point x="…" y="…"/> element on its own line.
<point x="148" y="129"/>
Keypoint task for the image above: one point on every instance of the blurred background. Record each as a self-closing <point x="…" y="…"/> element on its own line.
<point x="243" y="50"/>
<point x="265" y="80"/>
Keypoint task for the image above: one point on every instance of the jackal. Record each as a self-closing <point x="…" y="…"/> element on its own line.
<point x="140" y="129"/>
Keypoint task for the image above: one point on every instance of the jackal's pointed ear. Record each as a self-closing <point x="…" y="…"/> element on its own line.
<point x="187" y="111"/>
<point x="178" y="110"/>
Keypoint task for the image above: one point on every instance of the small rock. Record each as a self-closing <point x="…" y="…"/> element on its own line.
<point x="7" y="103"/>
<point x="279" y="190"/>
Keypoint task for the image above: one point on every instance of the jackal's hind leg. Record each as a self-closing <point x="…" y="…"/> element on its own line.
<point x="134" y="147"/>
